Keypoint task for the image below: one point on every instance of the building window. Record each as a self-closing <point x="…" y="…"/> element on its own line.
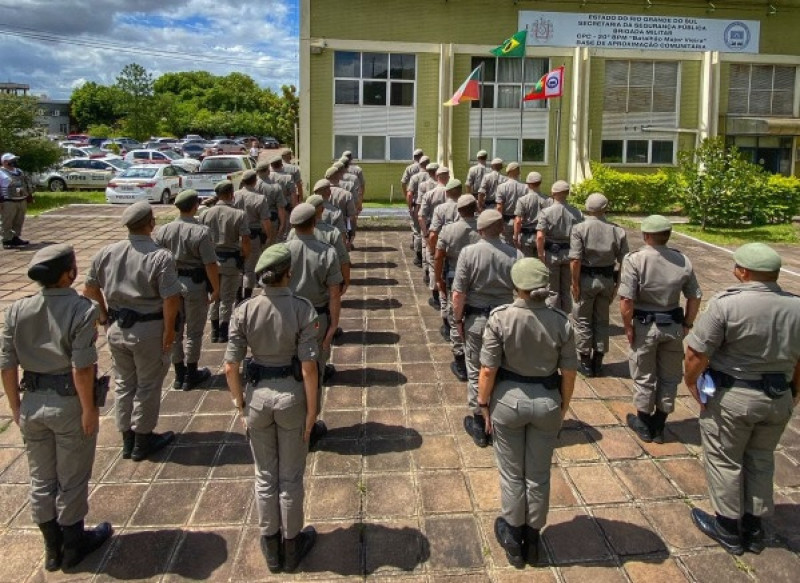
<point x="375" y="148"/>
<point x="533" y="150"/>
<point x="641" y="87"/>
<point x="638" y="151"/>
<point x="502" y="81"/>
<point x="56" y="113"/>
<point x="374" y="79"/>
<point x="761" y="89"/>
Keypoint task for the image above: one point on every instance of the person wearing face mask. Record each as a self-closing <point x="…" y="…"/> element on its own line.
<point x="16" y="191"/>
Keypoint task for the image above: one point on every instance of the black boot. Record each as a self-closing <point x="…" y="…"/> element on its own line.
<point x="445" y="330"/>
<point x="180" y="375"/>
<point x="585" y="364"/>
<point x="659" y="421"/>
<point x="318" y="431"/>
<point x="531" y="545"/>
<point x="214" y="330"/>
<point x="271" y="548"/>
<point x="223" y="331"/>
<point x="433" y="301"/>
<point x="510" y="538"/>
<point x="79" y="543"/>
<point x="149" y="443"/>
<point x="475" y="426"/>
<point x="53" y="544"/>
<point x="195" y="376"/>
<point x="247" y="293"/>
<point x="418" y="259"/>
<point x="721" y="529"/>
<point x="294" y="549"/>
<point x="328" y="372"/>
<point x="459" y="368"/>
<point x="752" y="533"/>
<point x="597" y="363"/>
<point x="128" y="441"/>
<point x="641" y="423"/>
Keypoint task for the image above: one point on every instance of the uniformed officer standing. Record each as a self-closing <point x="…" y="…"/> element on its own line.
<point x="343" y="198"/>
<point x="749" y="339"/>
<point x="292" y="170"/>
<point x="552" y="243"/>
<point x="286" y="182"/>
<point x="443" y="215"/>
<point x="412" y="199"/>
<point x="527" y="215"/>
<point x="16" y="188"/>
<point x="256" y="209"/>
<point x="136" y="285"/>
<point x="410" y="170"/>
<point x="508" y="194"/>
<point x="276" y="202"/>
<point x="482" y="283"/>
<point x="428" y="203"/>
<point x="196" y="260"/>
<point x="230" y="234"/>
<point x="279" y="408"/>
<point x="487" y="192"/>
<point x="52" y="335"/>
<point x="476" y="173"/>
<point x="596" y="248"/>
<point x="331" y="214"/>
<point x="651" y="283"/>
<point x="527" y="399"/>
<point x="453" y="238"/>
<point x="356" y="170"/>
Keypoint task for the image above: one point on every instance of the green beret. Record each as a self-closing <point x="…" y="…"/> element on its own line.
<point x="136" y="212"/>
<point x="656" y="224"/>
<point x="186" y="196"/>
<point x="48" y="263"/>
<point x="273" y="256"/>
<point x="465" y="200"/>
<point x="222" y="185"/>
<point x="432" y="167"/>
<point x="248" y="175"/>
<point x="453" y="183"/>
<point x="529" y="274"/>
<point x="315" y="200"/>
<point x="301" y="213"/>
<point x="322" y="184"/>
<point x="757" y="257"/>
<point x="596" y="202"/>
<point x="487" y="218"/>
<point x="262" y="166"/>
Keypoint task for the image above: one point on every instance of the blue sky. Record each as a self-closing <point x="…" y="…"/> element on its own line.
<point x="54" y="46"/>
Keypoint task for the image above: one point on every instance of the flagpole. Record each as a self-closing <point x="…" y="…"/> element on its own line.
<point x="521" y="109"/>
<point x="480" y="118"/>
<point x="558" y="138"/>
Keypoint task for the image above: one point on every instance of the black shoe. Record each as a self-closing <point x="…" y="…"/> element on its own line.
<point x="296" y="548"/>
<point x="641" y="427"/>
<point x="318" y="431"/>
<point x="180" y="375"/>
<point x="11" y="245"/>
<point x="510" y="538"/>
<point x="338" y="333"/>
<point x="20" y="242"/>
<point x="585" y="365"/>
<point x="531" y="545"/>
<point x="659" y="421"/>
<point x="214" y="331"/>
<point x="271" y="548"/>
<point x="752" y="534"/>
<point x="223" y="332"/>
<point x="53" y="544"/>
<point x="433" y="302"/>
<point x="79" y="543"/>
<point x="709" y="525"/>
<point x="426" y="278"/>
<point x="597" y="363"/>
<point x="128" y="441"/>
<point x="475" y="426"/>
<point x="418" y="259"/>
<point x="195" y="376"/>
<point x="444" y="330"/>
<point x="459" y="368"/>
<point x="149" y="443"/>
<point x="328" y="373"/>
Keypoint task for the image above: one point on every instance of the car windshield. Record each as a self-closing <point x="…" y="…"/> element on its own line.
<point x="119" y="164"/>
<point x="92" y="150"/>
<point x="170" y="154"/>
<point x="220" y="165"/>
<point x="139" y="173"/>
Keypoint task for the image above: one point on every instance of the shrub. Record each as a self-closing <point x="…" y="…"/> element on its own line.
<point x="778" y="201"/>
<point x="643" y="193"/>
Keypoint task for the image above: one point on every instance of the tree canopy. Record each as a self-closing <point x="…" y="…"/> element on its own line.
<point x="20" y="134"/>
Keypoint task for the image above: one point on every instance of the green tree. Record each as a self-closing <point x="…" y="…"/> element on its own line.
<point x="92" y="103"/>
<point x="20" y="134"/>
<point x="140" y="117"/>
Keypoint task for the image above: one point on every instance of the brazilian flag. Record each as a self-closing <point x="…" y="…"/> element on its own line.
<point x="512" y="47"/>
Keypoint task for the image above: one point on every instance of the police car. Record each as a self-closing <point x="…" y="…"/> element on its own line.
<point x="147" y="182"/>
<point x="83" y="174"/>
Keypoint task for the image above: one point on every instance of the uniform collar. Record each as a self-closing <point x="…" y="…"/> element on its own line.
<point x="276" y="291"/>
<point x="771" y="286"/>
<point x="529" y="303"/>
<point x="225" y="202"/>
<point x="190" y="220"/>
<point x="132" y="237"/>
<point x="58" y="291"/>
<point x="594" y="218"/>
<point x="305" y="237"/>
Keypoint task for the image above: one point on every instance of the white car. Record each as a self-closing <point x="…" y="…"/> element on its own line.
<point x="152" y="183"/>
<point x="159" y="157"/>
<point x="81" y="173"/>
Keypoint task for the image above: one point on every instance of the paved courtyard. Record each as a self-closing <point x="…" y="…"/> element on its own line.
<point x="397" y="490"/>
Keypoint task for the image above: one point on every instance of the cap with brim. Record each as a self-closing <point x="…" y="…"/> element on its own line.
<point x="529" y="274"/>
<point x="136" y="212"/>
<point x="248" y="175"/>
<point x="424" y="160"/>
<point x="418" y="152"/>
<point x="301" y="213"/>
<point x="757" y="257"/>
<point x="488" y="217"/>
<point x="512" y="166"/>
<point x="330" y="172"/>
<point x="222" y="185"/>
<point x="656" y="224"/>
<point x="322" y="184"/>
<point x="432" y="167"/>
<point x="465" y="200"/>
<point x="596" y="202"/>
<point x="275" y="159"/>
<point x="442" y="170"/>
<point x="47" y="264"/>
<point x="497" y="162"/>
<point x="315" y="200"/>
<point x="533" y="178"/>
<point x="261" y="166"/>
<point x="452" y="184"/>
<point x="482" y="154"/>
<point x="560" y="186"/>
<point x="273" y="256"/>
<point x="186" y="196"/>
<point x="8" y="156"/>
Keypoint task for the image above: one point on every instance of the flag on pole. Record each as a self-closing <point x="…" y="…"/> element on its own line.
<point x="550" y="85"/>
<point x="469" y="90"/>
<point x="512" y="47"/>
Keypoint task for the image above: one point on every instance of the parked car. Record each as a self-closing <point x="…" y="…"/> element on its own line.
<point x="85" y="152"/>
<point x="193" y="149"/>
<point x="224" y="146"/>
<point x="96" y="142"/>
<point x="139" y="157"/>
<point x="82" y="173"/>
<point x="270" y="142"/>
<point x="216" y="168"/>
<point x="124" y="144"/>
<point x="149" y="183"/>
<point x="193" y="138"/>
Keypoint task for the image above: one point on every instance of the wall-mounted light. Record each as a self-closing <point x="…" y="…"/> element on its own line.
<point x="318" y="46"/>
<point x="648" y="4"/>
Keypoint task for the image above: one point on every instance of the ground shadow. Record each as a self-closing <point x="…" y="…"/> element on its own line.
<point x="360" y="377"/>
<point x="683" y="431"/>
<point x="620" y="369"/>
<point x="376" y="439"/>
<point x="375" y="249"/>
<point x="372" y="304"/>
<point x="783" y="527"/>
<point x="369" y="338"/>
<point x="206" y="438"/>
<point x="364" y="281"/>
<point x="575" y="432"/>
<point x="374" y="265"/>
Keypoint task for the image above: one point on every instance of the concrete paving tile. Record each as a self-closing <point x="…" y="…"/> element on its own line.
<point x="573" y="536"/>
<point x="628" y="531"/>
<point x="454" y="393"/>
<point x="561" y="493"/>
<point x="215" y="402"/>
<point x="774" y="564"/>
<point x="223" y="502"/>
<point x="472" y="455"/>
<point x="16" y="471"/>
<point x="22" y="551"/>
<point x="436" y="452"/>
<point x="688" y="474"/>
<point x="666" y="449"/>
<point x="193" y="462"/>
<point x="394" y="547"/>
<point x="715" y="566"/>
<point x="609" y="387"/>
<point x="337" y="553"/>
<point x="410" y="353"/>
<point x="338" y="457"/>
<point x="596" y="484"/>
<point x="655" y="571"/>
<point x="388" y="455"/>
<point x="205" y="555"/>
<point x="644" y="480"/>
<point x="787" y="472"/>
<point x="428" y="421"/>
<point x="454" y="542"/>
<point x="443" y="492"/>
<point x="422" y="396"/>
<point x="528" y="575"/>
<point x="390" y="496"/>
<point x="166" y="504"/>
<point x="114" y="503"/>
<point x="333" y="497"/>
<point x="177" y="402"/>
<point x="616" y="443"/>
<point x="13" y="498"/>
<point x="574" y="445"/>
<point x="593" y="413"/>
<point x="206" y="429"/>
<point x="343" y="398"/>
<point x="384" y="397"/>
<point x="674" y="524"/>
<point x="385" y="423"/>
<point x="597" y="574"/>
<point x="234" y="461"/>
<point x="130" y="471"/>
<point x="140" y="554"/>
<point x="485" y="487"/>
<point x="343" y="424"/>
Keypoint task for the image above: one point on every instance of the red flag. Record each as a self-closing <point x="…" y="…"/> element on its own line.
<point x="550" y="85"/>
<point x="469" y="90"/>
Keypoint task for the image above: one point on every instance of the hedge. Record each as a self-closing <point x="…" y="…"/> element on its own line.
<point x="626" y="192"/>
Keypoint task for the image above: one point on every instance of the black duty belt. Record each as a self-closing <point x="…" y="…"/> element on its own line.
<point x="529" y="230"/>
<point x="256" y="372"/>
<point x="323" y="310"/>
<point x="556" y="247"/>
<point x="474" y="311"/>
<point x="63" y="384"/>
<point x="125" y="317"/>
<point x="774" y="385"/>
<point x="661" y="318"/>
<point x="197" y="274"/>
<point x="489" y="204"/>
<point x="509" y="217"/>
<point x="551" y="382"/>
<point x="225" y="255"/>
<point x="607" y="271"/>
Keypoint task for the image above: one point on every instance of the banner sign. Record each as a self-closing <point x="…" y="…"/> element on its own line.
<point x="635" y="31"/>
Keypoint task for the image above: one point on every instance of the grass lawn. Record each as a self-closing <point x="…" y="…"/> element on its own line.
<point x="785" y="234"/>
<point x="45" y="201"/>
<point x="384" y="204"/>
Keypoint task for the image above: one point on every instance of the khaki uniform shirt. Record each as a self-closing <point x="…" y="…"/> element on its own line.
<point x="749" y="329"/>
<point x="292" y="170"/>
<point x="425" y="186"/>
<point x="416" y="181"/>
<point x="491" y="180"/>
<point x="430" y="201"/>
<point x="226" y="226"/>
<point x="444" y="214"/>
<point x="508" y="194"/>
<point x="273" y="192"/>
<point x="454" y="237"/>
<point x="410" y="170"/>
<point x="189" y="241"/>
<point x="315" y="267"/>
<point x="597" y="243"/>
<point x="654" y="277"/>
<point x="333" y="216"/>
<point x="50" y="332"/>
<point x="359" y="174"/>
<point x="475" y="177"/>
<point x="135" y="273"/>
<point x="529" y="206"/>
<point x="330" y="235"/>
<point x="517" y="331"/>
<point x="286" y="183"/>
<point x="484" y="273"/>
<point x="276" y="325"/>
<point x="344" y="200"/>
<point x="556" y="221"/>
<point x="254" y="205"/>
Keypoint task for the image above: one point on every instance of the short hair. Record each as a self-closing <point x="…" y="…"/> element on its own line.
<point x="225" y="190"/>
<point x="468" y="210"/>
<point x="661" y="238"/>
<point x="307" y="224"/>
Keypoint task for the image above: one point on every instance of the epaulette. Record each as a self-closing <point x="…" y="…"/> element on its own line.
<point x="306" y="300"/>
<point x="500" y="308"/>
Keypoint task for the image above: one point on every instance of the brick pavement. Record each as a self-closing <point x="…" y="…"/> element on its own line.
<point x="397" y="491"/>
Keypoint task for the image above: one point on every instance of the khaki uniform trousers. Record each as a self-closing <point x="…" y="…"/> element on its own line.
<point x="427" y="265"/>
<point x="590" y="313"/>
<point x="526" y="419"/>
<point x="256" y="247"/>
<point x="446" y="303"/>
<point x="528" y="244"/>
<point x="193" y="322"/>
<point x="60" y="456"/>
<point x="416" y="235"/>
<point x="324" y="320"/>
<point x="12" y="218"/>
<point x="740" y="429"/>
<point x="656" y="365"/>
<point x="560" y="280"/>
<point x="276" y="414"/>
<point x="230" y="278"/>
<point x="139" y="370"/>
<point x="473" y="341"/>
<point x="507" y="235"/>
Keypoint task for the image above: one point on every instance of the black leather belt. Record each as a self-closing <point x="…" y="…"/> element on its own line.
<point x="197" y="274"/>
<point x="661" y="318"/>
<point x="63" y="384"/>
<point x="126" y="317"/>
<point x="489" y="204"/>
<point x="554" y="247"/>
<point x="256" y="372"/>
<point x="774" y="385"/>
<point x="509" y="217"/>
<point x="474" y="311"/>
<point x="529" y="230"/>
<point x="551" y="382"/>
<point x="607" y="271"/>
<point x="323" y="310"/>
